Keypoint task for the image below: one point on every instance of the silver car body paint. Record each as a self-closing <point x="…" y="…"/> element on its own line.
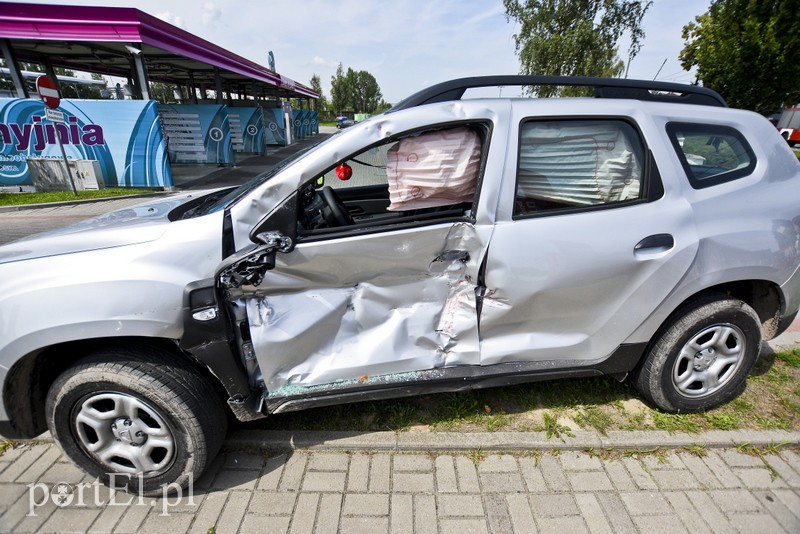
<point x="566" y="286"/>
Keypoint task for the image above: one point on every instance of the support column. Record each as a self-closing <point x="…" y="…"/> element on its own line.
<point x="140" y="73"/>
<point x="13" y="68"/>
<point x="218" y="85"/>
<point x="192" y="89"/>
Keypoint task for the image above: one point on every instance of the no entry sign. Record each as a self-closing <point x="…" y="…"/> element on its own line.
<point x="48" y="92"/>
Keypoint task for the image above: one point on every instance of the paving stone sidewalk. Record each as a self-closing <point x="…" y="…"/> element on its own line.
<point x="318" y="492"/>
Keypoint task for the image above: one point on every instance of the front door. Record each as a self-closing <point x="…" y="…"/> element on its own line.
<point x="379" y="283"/>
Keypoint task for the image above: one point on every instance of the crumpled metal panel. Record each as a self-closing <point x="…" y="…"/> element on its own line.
<point x="315" y="321"/>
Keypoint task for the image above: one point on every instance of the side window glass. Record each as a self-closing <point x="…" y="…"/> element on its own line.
<point x="574" y="164"/>
<point x="424" y="176"/>
<point x="711" y="154"/>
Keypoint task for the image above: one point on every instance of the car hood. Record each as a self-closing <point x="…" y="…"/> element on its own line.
<point x="127" y="226"/>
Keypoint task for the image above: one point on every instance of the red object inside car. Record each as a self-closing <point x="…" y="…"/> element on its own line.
<point x="344" y="171"/>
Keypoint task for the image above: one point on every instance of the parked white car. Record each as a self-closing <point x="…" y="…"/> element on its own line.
<point x="651" y="234"/>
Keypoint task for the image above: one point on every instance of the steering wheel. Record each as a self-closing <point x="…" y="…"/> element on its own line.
<point x="336" y="214"/>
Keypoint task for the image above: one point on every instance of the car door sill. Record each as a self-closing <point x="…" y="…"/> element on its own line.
<point x="452" y="379"/>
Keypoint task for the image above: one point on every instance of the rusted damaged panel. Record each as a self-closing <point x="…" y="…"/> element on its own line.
<point x="394" y="314"/>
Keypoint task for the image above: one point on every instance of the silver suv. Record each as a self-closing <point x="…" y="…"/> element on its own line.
<point x="649" y="233"/>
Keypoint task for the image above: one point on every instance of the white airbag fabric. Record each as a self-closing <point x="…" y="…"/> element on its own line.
<point x="433" y="169"/>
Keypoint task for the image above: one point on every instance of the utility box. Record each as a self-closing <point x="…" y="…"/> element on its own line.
<point x="48" y="174"/>
<point x="89" y="173"/>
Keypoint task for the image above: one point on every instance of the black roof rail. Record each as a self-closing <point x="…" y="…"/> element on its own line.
<point x="603" y="88"/>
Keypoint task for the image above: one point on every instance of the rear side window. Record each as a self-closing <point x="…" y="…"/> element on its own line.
<point x="577" y="164"/>
<point x="711" y="154"/>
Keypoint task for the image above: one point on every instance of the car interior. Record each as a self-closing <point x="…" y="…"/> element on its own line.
<point x="417" y="178"/>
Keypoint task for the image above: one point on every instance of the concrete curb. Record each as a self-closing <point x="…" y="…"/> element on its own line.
<point x="500" y="441"/>
<point x="23" y="207"/>
<point x="284" y="440"/>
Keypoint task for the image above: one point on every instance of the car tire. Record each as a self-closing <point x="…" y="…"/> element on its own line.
<point x="138" y="420"/>
<point x="701" y="357"/>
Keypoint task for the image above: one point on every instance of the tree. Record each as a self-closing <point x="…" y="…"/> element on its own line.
<point x="321" y="103"/>
<point x="356" y="91"/>
<point x="745" y="50"/>
<point x="574" y="37"/>
<point x="339" y="91"/>
<point x="366" y="93"/>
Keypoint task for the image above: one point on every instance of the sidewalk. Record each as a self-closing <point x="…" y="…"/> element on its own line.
<point x="462" y="492"/>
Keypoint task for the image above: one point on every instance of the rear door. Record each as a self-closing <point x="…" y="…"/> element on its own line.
<point x="592" y="247"/>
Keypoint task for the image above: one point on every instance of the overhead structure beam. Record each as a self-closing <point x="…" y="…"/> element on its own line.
<point x="13" y="68"/>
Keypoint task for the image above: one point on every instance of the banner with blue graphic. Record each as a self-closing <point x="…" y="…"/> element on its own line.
<point x="197" y="133"/>
<point x="314" y="122"/>
<point x="247" y="130"/>
<point x="124" y="136"/>
<point x="276" y="134"/>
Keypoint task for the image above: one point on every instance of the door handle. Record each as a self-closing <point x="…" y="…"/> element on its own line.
<point x="660" y="242"/>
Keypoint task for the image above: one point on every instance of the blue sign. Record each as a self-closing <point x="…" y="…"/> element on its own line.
<point x="124" y="136"/>
<point x="197" y="133"/>
<point x="276" y="133"/>
<point x="247" y="130"/>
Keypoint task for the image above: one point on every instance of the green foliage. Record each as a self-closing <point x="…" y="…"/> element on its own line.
<point x="321" y="104"/>
<point x="554" y="429"/>
<point x="675" y="422"/>
<point x="723" y="421"/>
<point x="701" y="451"/>
<point x="476" y="456"/>
<point x="574" y="37"/>
<point x="4" y="446"/>
<point x="792" y="357"/>
<point x="355" y="91"/>
<point x="594" y="417"/>
<point x="746" y="51"/>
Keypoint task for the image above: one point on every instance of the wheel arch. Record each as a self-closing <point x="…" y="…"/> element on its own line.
<point x="32" y="375"/>
<point x="763" y="296"/>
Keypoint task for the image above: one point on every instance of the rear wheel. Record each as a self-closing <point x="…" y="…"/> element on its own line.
<point x="702" y="358"/>
<point x="136" y="420"/>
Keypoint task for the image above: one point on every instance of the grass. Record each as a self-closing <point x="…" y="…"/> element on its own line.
<point x="771" y="401"/>
<point x="554" y="429"/>
<point x="4" y="446"/>
<point x="476" y="456"/>
<point x="594" y="417"/>
<point x="701" y="451"/>
<point x="20" y="199"/>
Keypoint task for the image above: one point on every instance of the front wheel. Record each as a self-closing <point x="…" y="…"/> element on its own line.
<point x="135" y="420"/>
<point x="701" y="359"/>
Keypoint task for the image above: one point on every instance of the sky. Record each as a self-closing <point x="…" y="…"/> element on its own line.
<point x="406" y="44"/>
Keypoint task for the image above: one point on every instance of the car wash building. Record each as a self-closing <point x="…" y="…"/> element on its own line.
<point x="222" y="106"/>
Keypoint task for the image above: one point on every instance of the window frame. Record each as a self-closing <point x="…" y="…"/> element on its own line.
<point x="711" y="129"/>
<point x="486" y="129"/>
<point x="651" y="187"/>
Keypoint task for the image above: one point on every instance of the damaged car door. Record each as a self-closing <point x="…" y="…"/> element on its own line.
<point x="383" y="281"/>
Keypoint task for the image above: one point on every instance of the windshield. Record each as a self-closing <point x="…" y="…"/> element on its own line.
<point x="232" y="197"/>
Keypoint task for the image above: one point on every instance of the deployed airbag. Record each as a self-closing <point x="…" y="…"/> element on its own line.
<point x="433" y="169"/>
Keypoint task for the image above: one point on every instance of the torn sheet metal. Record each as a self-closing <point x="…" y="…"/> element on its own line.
<point x="383" y="314"/>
